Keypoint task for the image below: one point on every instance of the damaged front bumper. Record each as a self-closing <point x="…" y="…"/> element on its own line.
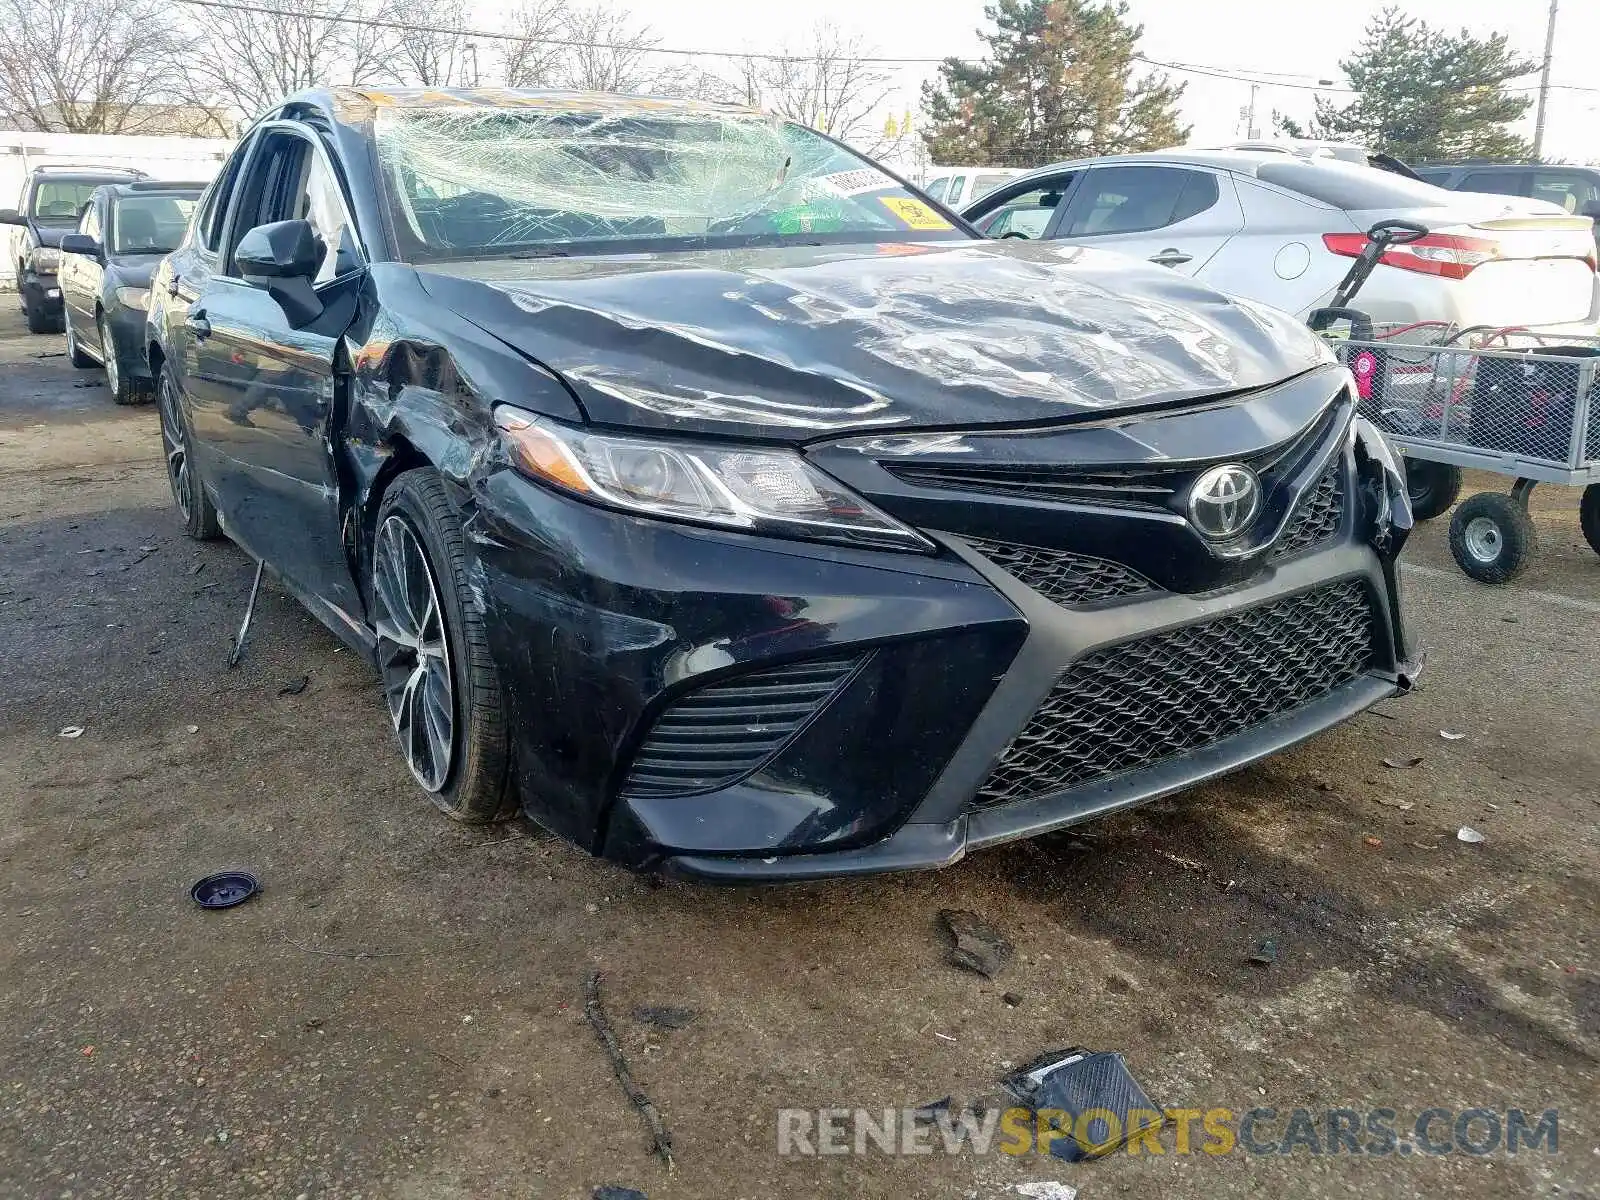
<point x="741" y="709"/>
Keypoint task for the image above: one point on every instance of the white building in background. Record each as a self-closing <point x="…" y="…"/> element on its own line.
<point x="174" y="158"/>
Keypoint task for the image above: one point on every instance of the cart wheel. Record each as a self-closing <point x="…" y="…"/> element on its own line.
<point x="1589" y="516"/>
<point x="1433" y="487"/>
<point x="1492" y="537"/>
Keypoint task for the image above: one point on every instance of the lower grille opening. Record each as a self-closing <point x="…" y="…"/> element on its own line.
<point x="713" y="736"/>
<point x="1135" y="704"/>
<point x="1318" y="514"/>
<point x="1061" y="575"/>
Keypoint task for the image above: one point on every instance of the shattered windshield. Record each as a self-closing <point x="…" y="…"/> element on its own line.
<point x="476" y="182"/>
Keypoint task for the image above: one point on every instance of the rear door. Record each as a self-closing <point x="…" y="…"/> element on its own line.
<point x="1175" y="216"/>
<point x="273" y="387"/>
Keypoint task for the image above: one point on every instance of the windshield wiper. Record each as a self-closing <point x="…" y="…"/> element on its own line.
<point x="536" y="254"/>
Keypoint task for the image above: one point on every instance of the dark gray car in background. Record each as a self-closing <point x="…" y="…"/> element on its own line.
<point x="123" y="233"/>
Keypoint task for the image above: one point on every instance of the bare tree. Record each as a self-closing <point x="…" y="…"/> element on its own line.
<point x="534" y="60"/>
<point x="828" y="85"/>
<point x="609" y="53"/>
<point x="86" y="66"/>
<point x="434" y="51"/>
<point x="248" y="60"/>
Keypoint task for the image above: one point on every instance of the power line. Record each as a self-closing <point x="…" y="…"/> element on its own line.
<point x="1233" y="74"/>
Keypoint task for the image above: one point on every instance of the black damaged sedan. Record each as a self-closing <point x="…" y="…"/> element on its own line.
<point x="725" y="504"/>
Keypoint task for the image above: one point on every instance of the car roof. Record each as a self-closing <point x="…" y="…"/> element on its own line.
<point x="358" y="104"/>
<point x="1240" y="162"/>
<point x="85" y="171"/>
<point x="145" y="187"/>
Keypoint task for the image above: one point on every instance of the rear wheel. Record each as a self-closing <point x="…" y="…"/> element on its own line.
<point x="194" y="506"/>
<point x="74" y="351"/>
<point x="1433" y="487"/>
<point x="1492" y="537"/>
<point x="439" y="681"/>
<point x="1589" y="516"/>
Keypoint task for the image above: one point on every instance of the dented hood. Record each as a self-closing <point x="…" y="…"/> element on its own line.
<point x="799" y="343"/>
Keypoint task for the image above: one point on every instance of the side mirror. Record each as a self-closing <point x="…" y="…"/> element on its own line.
<point x="281" y="259"/>
<point x="10" y="216"/>
<point x="80" y="243"/>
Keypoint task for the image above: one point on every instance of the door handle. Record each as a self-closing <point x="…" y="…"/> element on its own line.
<point x="1171" y="257"/>
<point x="197" y="324"/>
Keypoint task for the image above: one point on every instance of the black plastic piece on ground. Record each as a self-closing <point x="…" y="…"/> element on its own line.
<point x="225" y="889"/>
<point x="608" y="1192"/>
<point x="1076" y="1082"/>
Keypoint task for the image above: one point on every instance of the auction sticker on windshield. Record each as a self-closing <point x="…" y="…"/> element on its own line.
<point x="914" y="213"/>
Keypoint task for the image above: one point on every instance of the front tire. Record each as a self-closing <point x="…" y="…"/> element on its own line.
<point x="1433" y="487"/>
<point x="123" y="389"/>
<point x="38" y="322"/>
<point x="1492" y="537"/>
<point x="440" y="684"/>
<point x="188" y="492"/>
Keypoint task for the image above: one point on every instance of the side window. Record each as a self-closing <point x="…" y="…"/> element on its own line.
<point x="953" y="197"/>
<point x="214" y="208"/>
<point x="89" y="223"/>
<point x="1499" y="183"/>
<point x="289" y="181"/>
<point x="937" y="186"/>
<point x="1573" y="192"/>
<point x="1137" y="199"/>
<point x="1027" y="215"/>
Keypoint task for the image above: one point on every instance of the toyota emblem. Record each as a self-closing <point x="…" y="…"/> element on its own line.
<point x="1224" y="501"/>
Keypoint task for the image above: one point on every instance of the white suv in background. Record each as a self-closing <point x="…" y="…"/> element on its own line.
<point x="1282" y="230"/>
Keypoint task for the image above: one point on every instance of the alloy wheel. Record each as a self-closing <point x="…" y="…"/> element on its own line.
<point x="175" y="444"/>
<point x="108" y="355"/>
<point x="414" y="653"/>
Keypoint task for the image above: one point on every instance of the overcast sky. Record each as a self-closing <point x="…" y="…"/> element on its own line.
<point x="1257" y="36"/>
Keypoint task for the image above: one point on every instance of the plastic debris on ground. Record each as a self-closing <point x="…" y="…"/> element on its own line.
<point x="1047" y="1190"/>
<point x="1266" y="952"/>
<point x="1403" y="764"/>
<point x="295" y="686"/>
<point x="608" y="1192"/>
<point x="1451" y="737"/>
<point x="1470" y="835"/>
<point x="1078" y="1081"/>
<point x="979" y="946"/>
<point x="71" y="731"/>
<point x="225" y="889"/>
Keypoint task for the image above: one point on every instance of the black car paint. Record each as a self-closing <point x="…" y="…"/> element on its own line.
<point x="89" y="286"/>
<point x="872" y="354"/>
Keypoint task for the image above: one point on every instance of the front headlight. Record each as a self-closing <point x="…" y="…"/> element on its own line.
<point x="45" y="260"/>
<point x="134" y="297"/>
<point x="750" y="489"/>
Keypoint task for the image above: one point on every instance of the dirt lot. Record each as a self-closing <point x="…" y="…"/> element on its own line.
<point x="399" y="1014"/>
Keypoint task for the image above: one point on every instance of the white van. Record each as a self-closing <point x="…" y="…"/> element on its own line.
<point x="958" y="187"/>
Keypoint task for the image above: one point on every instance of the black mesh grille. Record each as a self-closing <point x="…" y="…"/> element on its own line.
<point x="1062" y="576"/>
<point x="712" y="736"/>
<point x="1132" y="705"/>
<point x="1317" y="515"/>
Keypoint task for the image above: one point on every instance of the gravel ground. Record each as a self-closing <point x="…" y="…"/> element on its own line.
<point x="399" y="1014"/>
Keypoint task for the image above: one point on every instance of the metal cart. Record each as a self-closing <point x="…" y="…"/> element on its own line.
<point x="1515" y="402"/>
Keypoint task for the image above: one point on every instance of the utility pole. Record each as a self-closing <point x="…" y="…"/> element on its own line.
<point x="1251" y="131"/>
<point x="1544" y="83"/>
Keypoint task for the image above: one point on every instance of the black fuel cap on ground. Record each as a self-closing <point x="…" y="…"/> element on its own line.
<point x="224" y="889"/>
